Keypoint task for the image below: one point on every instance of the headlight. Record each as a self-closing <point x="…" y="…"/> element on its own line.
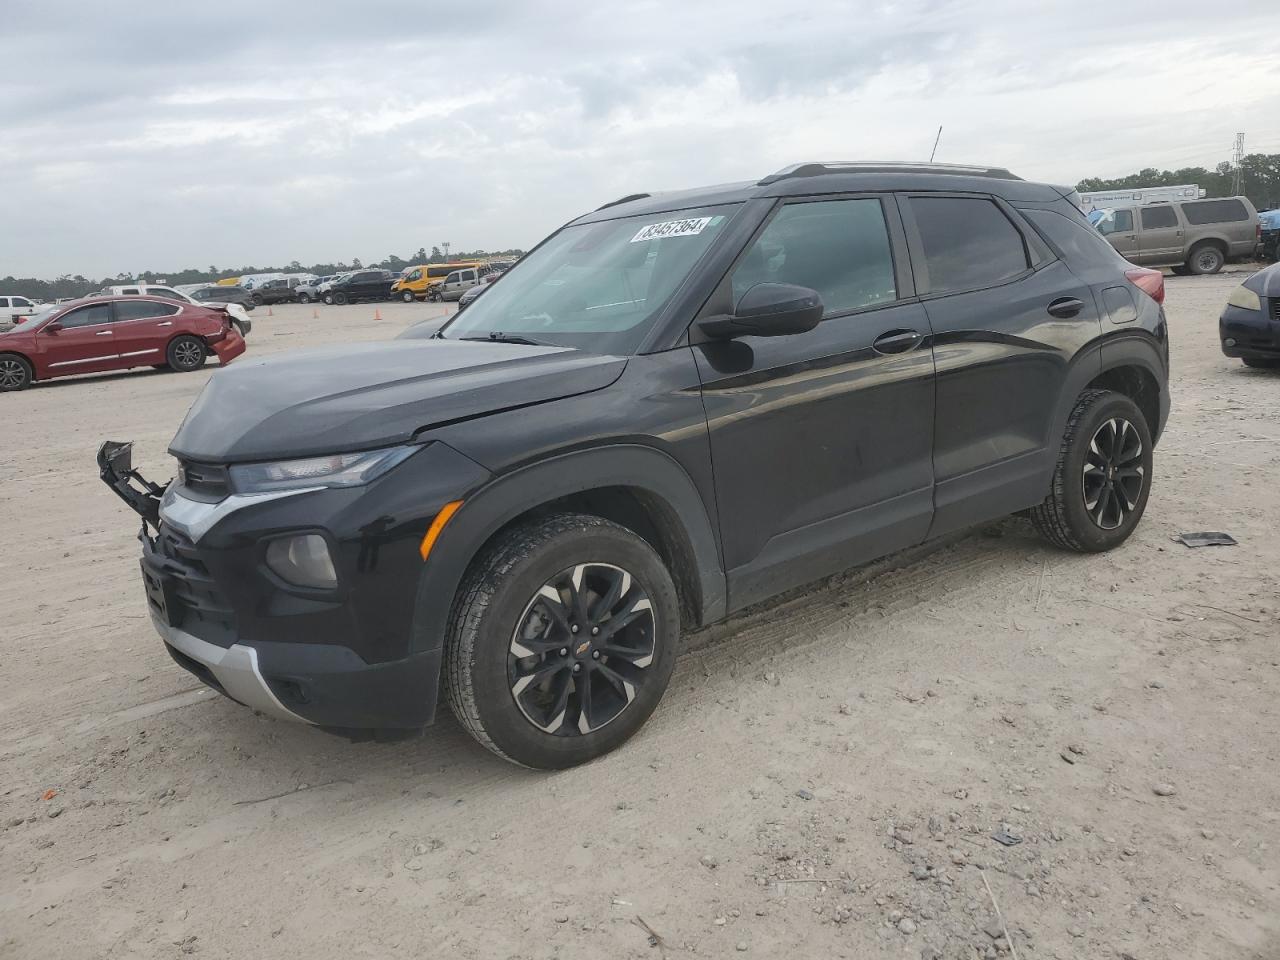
<point x="1245" y="299"/>
<point x="303" y="560"/>
<point x="337" y="470"/>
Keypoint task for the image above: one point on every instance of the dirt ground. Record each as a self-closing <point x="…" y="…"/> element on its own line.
<point x="823" y="779"/>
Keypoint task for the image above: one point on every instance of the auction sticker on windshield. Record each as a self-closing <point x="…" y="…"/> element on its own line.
<point x="672" y="228"/>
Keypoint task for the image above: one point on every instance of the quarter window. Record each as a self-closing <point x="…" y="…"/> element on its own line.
<point x="87" y="316"/>
<point x="968" y="243"/>
<point x="1153" y="218"/>
<point x="840" y="248"/>
<point x="1214" y="211"/>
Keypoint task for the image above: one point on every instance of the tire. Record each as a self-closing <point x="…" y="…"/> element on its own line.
<point x="407" y="296"/>
<point x="1181" y="270"/>
<point x="257" y="300"/>
<point x="340" y="298"/>
<point x="186" y="353"/>
<point x="1262" y="363"/>
<point x="15" y="373"/>
<point x="304" y="298"/>
<point x="328" y="299"/>
<point x="1099" y="513"/>
<point x="1206" y="259"/>
<point x="503" y="603"/>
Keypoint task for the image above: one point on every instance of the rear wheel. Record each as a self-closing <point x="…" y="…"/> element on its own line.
<point x="562" y="641"/>
<point x="339" y="298"/>
<point x="15" y="373"/>
<point x="186" y="353"/>
<point x="1206" y="259"/>
<point x="257" y="299"/>
<point x="1102" y="478"/>
<point x="328" y="299"/>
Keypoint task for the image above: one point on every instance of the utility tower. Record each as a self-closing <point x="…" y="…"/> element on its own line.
<point x="445" y="243"/>
<point x="1236" y="158"/>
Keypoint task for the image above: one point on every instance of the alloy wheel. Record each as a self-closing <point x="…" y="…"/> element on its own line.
<point x="1113" y="473"/>
<point x="187" y="353"/>
<point x="581" y="649"/>
<point x="12" y="374"/>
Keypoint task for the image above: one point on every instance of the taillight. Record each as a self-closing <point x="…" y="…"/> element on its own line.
<point x="1150" y="282"/>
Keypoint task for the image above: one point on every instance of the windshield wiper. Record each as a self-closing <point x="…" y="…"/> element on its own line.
<point x="496" y="336"/>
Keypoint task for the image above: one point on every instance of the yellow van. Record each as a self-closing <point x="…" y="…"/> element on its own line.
<point x="416" y="282"/>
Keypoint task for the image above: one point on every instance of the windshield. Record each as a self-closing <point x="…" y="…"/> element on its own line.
<point x="596" y="286"/>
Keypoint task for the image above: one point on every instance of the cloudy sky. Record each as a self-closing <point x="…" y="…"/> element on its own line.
<point x="160" y="135"/>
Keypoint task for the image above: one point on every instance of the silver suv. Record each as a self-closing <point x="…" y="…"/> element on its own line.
<point x="1191" y="236"/>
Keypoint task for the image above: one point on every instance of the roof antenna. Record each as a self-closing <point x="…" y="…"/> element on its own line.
<point x="935" y="143"/>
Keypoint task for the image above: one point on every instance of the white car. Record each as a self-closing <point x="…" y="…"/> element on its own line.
<point x="314" y="288"/>
<point x="239" y="316"/>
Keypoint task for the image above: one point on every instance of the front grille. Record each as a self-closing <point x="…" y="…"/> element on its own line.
<point x="202" y="609"/>
<point x="205" y="479"/>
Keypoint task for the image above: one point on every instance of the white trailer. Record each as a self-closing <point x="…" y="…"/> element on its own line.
<point x="1108" y="199"/>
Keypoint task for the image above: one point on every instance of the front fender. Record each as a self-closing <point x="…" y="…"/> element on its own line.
<point x="507" y="497"/>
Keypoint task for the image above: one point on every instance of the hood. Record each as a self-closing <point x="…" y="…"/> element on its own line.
<point x="361" y="396"/>
<point x="1266" y="282"/>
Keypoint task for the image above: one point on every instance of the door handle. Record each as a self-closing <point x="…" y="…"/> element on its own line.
<point x="896" y="341"/>
<point x="167" y="323"/>
<point x="1065" y="307"/>
<point x="103" y="333"/>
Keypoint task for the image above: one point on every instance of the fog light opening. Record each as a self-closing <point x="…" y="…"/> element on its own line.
<point x="303" y="561"/>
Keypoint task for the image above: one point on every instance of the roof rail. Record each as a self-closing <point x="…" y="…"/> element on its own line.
<point x="820" y="169"/>
<point x="627" y="199"/>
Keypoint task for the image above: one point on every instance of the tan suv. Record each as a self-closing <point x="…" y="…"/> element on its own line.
<point x="1192" y="236"/>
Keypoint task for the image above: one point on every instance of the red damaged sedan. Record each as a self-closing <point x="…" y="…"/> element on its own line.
<point x="115" y="333"/>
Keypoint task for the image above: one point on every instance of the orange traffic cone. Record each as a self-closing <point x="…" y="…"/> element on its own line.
<point x="315" y="314"/>
<point x="377" y="313"/>
<point x="269" y="313"/>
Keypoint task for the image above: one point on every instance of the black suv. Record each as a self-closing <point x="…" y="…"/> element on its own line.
<point x="676" y="406"/>
<point x="361" y="285"/>
<point x="281" y="290"/>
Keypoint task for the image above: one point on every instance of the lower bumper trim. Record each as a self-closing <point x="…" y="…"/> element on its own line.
<point x="235" y="668"/>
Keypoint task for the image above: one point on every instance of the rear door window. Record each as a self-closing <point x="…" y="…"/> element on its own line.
<point x="968" y="243"/>
<point x="144" y="310"/>
<point x="1154" y="218"/>
<point x="1214" y="211"/>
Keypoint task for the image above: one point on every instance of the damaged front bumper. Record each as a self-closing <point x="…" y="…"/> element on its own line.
<point x="347" y="660"/>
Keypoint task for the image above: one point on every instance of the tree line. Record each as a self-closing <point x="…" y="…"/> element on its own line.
<point x="69" y="285"/>
<point x="1259" y="179"/>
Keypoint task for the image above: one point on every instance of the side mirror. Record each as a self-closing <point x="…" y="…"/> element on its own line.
<point x="53" y="326"/>
<point x="768" y="310"/>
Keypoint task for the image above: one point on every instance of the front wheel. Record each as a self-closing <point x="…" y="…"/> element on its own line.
<point x="407" y="296"/>
<point x="15" y="373"/>
<point x="304" y="298"/>
<point x="561" y="641"/>
<point x="257" y="300"/>
<point x="1102" y="478"/>
<point x="186" y="353"/>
